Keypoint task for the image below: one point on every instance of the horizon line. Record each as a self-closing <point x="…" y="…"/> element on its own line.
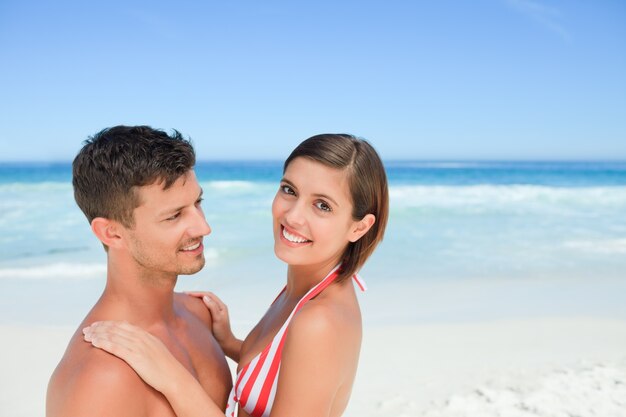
<point x="421" y="160"/>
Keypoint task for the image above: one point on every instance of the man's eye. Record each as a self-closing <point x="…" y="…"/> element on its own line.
<point x="174" y="217"/>
<point x="322" y="205"/>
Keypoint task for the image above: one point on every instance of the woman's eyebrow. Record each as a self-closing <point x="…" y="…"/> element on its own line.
<point x="326" y="197"/>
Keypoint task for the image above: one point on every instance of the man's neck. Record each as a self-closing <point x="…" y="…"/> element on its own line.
<point x="143" y="298"/>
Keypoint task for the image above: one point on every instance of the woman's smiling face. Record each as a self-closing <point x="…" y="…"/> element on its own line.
<point x="312" y="213"/>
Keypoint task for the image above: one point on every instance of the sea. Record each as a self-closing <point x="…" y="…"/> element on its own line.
<point x="451" y="223"/>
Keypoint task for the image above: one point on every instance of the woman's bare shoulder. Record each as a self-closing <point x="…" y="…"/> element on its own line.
<point x="325" y="319"/>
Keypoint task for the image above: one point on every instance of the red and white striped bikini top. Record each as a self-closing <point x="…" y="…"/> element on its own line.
<point x="255" y="385"/>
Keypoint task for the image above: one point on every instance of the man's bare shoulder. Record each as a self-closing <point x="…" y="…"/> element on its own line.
<point x="91" y="382"/>
<point x="195" y="306"/>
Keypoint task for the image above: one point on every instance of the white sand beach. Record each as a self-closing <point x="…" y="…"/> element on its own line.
<point x="513" y="368"/>
<point x="512" y="348"/>
<point x="518" y="368"/>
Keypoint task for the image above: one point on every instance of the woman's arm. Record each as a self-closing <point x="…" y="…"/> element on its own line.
<point x="154" y="363"/>
<point x="221" y="324"/>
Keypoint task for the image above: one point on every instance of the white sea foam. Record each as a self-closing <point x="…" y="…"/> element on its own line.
<point x="602" y="246"/>
<point x="505" y="195"/>
<point x="211" y="256"/>
<point x="19" y="187"/>
<point x="442" y="165"/>
<point x="58" y="270"/>
<point x="221" y="185"/>
<point x="67" y="270"/>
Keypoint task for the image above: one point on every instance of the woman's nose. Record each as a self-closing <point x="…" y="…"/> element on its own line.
<point x="295" y="214"/>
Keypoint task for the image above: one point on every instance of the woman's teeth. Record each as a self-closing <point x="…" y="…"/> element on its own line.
<point x="293" y="238"/>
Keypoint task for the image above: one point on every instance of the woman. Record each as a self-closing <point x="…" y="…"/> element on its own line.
<point x="329" y="214"/>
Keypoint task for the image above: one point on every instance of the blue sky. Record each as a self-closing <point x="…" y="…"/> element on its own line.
<point x="484" y="79"/>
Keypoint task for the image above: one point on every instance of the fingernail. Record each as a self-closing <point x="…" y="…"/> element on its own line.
<point x="206" y="299"/>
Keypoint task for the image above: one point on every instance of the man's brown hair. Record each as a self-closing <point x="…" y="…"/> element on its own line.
<point x="116" y="160"/>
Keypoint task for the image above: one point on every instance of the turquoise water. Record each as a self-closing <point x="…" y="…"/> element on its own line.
<point x="450" y="221"/>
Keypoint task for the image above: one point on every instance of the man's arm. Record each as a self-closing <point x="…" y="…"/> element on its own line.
<point x="102" y="385"/>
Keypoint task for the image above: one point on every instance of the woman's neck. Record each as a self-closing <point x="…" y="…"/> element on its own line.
<point x="301" y="278"/>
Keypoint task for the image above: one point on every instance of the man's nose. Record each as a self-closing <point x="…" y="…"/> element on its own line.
<point x="200" y="226"/>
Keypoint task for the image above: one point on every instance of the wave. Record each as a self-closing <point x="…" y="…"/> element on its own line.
<point x="56" y="270"/>
<point x="505" y="195"/>
<point x="80" y="271"/>
<point x="17" y="254"/>
<point x="434" y="164"/>
<point x="600" y="246"/>
<point x="211" y="255"/>
<point x="23" y="202"/>
<point x="229" y="184"/>
<point x="16" y="187"/>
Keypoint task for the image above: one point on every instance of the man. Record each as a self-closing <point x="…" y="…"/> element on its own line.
<point x="137" y="187"/>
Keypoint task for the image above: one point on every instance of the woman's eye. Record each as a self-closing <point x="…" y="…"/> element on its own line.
<point x="322" y="205"/>
<point x="199" y="202"/>
<point x="287" y="190"/>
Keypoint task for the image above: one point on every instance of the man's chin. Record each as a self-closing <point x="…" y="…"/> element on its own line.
<point x="192" y="269"/>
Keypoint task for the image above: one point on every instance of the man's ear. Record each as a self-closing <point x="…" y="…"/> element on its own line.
<point x="108" y="231"/>
<point x="361" y="227"/>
